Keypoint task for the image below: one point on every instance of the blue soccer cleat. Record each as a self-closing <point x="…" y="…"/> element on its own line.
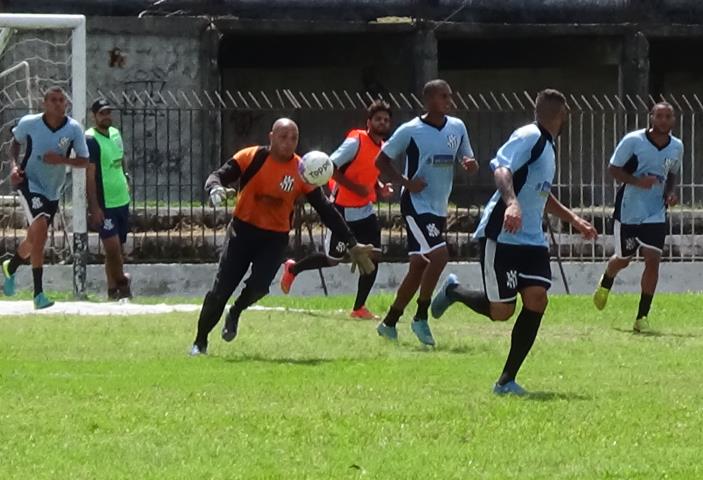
<point x="389" y="333"/>
<point x="441" y="302"/>
<point x="510" y="388"/>
<point x="421" y="329"/>
<point x="41" y="301"/>
<point x="8" y="286"/>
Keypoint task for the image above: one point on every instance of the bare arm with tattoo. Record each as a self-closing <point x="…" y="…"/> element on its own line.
<point x="512" y="219"/>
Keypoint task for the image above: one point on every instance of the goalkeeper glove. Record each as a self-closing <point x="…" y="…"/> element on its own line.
<point x="360" y="256"/>
<point x="218" y="194"/>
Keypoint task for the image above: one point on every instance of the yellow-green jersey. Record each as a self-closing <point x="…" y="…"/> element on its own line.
<point x="106" y="153"/>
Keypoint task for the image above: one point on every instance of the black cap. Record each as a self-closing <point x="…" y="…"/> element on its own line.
<point x="100" y="105"/>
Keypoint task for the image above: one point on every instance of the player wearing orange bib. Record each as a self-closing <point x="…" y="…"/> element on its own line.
<point x="354" y="195"/>
<point x="269" y="185"/>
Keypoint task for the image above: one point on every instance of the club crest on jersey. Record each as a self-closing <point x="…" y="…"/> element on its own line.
<point x="287" y="183"/>
<point x="452" y="141"/>
<point x="64" y="143"/>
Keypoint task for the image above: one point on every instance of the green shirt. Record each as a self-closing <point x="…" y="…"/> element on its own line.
<point x="106" y="152"/>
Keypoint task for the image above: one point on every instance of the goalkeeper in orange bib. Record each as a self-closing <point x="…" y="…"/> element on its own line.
<point x="257" y="236"/>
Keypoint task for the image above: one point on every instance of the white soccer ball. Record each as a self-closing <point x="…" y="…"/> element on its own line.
<point x="316" y="168"/>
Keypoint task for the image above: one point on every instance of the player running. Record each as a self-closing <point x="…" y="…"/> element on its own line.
<point x="269" y="185"/>
<point x="430" y="145"/>
<point x="646" y="163"/>
<point x="514" y="250"/>
<point x="356" y="178"/>
<point x="48" y="139"/>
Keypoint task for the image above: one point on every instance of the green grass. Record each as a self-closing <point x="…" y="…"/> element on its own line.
<point x="319" y="396"/>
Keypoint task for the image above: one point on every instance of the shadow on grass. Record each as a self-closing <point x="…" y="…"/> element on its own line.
<point x="455" y="349"/>
<point x="655" y="333"/>
<point x="552" y="396"/>
<point x="280" y="361"/>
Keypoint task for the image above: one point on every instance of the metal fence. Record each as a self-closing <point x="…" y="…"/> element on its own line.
<point x="173" y="140"/>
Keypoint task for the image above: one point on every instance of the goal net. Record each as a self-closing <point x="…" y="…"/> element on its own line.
<point x="37" y="52"/>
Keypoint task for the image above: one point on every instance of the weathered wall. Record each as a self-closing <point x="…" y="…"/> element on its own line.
<point x="156" y="55"/>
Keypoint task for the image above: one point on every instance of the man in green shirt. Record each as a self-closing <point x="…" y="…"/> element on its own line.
<point x="108" y="196"/>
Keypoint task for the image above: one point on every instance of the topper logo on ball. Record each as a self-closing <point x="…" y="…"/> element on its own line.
<point x="319" y="171"/>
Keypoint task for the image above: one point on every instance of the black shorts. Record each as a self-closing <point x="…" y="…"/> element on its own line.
<point x="507" y="269"/>
<point x="116" y="223"/>
<point x="366" y="231"/>
<point x="425" y="230"/>
<point x="36" y="205"/>
<point x="249" y="246"/>
<point x="630" y="238"/>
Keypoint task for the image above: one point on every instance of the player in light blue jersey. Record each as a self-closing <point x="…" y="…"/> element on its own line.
<point x="430" y="146"/>
<point x="514" y="250"/>
<point x="48" y="139"/>
<point x="646" y="163"/>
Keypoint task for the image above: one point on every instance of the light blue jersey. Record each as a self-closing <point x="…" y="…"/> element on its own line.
<point x="346" y="152"/>
<point x="640" y="157"/>
<point x="430" y="153"/>
<point x="529" y="154"/>
<point x="38" y="139"/>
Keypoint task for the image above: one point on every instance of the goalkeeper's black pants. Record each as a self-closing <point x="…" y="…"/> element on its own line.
<point x="245" y="246"/>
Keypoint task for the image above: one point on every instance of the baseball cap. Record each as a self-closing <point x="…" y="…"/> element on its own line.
<point x="100" y="105"/>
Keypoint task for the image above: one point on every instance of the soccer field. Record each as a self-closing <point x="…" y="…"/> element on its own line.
<point x="315" y="395"/>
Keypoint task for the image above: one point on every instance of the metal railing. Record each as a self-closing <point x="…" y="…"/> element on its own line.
<point x="174" y="139"/>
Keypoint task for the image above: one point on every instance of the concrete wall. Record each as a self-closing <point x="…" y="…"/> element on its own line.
<point x="156" y="55"/>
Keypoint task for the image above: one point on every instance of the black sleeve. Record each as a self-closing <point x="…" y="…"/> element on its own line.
<point x="330" y="216"/>
<point x="224" y="176"/>
<point x="93" y="150"/>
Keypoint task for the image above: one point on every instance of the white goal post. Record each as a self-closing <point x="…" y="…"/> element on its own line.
<point x="75" y="23"/>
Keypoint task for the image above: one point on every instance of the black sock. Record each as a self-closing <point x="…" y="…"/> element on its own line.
<point x="607" y="281"/>
<point x="364" y="286"/>
<point x="210" y="314"/>
<point x="15" y="263"/>
<point x="392" y="316"/>
<point x="311" y="262"/>
<point x="474" y="299"/>
<point x="523" y="336"/>
<point x="422" y="306"/>
<point x="645" y="303"/>
<point x="37" y="274"/>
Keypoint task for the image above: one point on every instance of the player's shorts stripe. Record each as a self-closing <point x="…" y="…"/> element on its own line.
<point x="28" y="211"/>
<point x="431" y="249"/>
<point x="617" y="235"/>
<point x="651" y="247"/>
<point x="536" y="277"/>
<point x="492" y="291"/>
<point x="417" y="233"/>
